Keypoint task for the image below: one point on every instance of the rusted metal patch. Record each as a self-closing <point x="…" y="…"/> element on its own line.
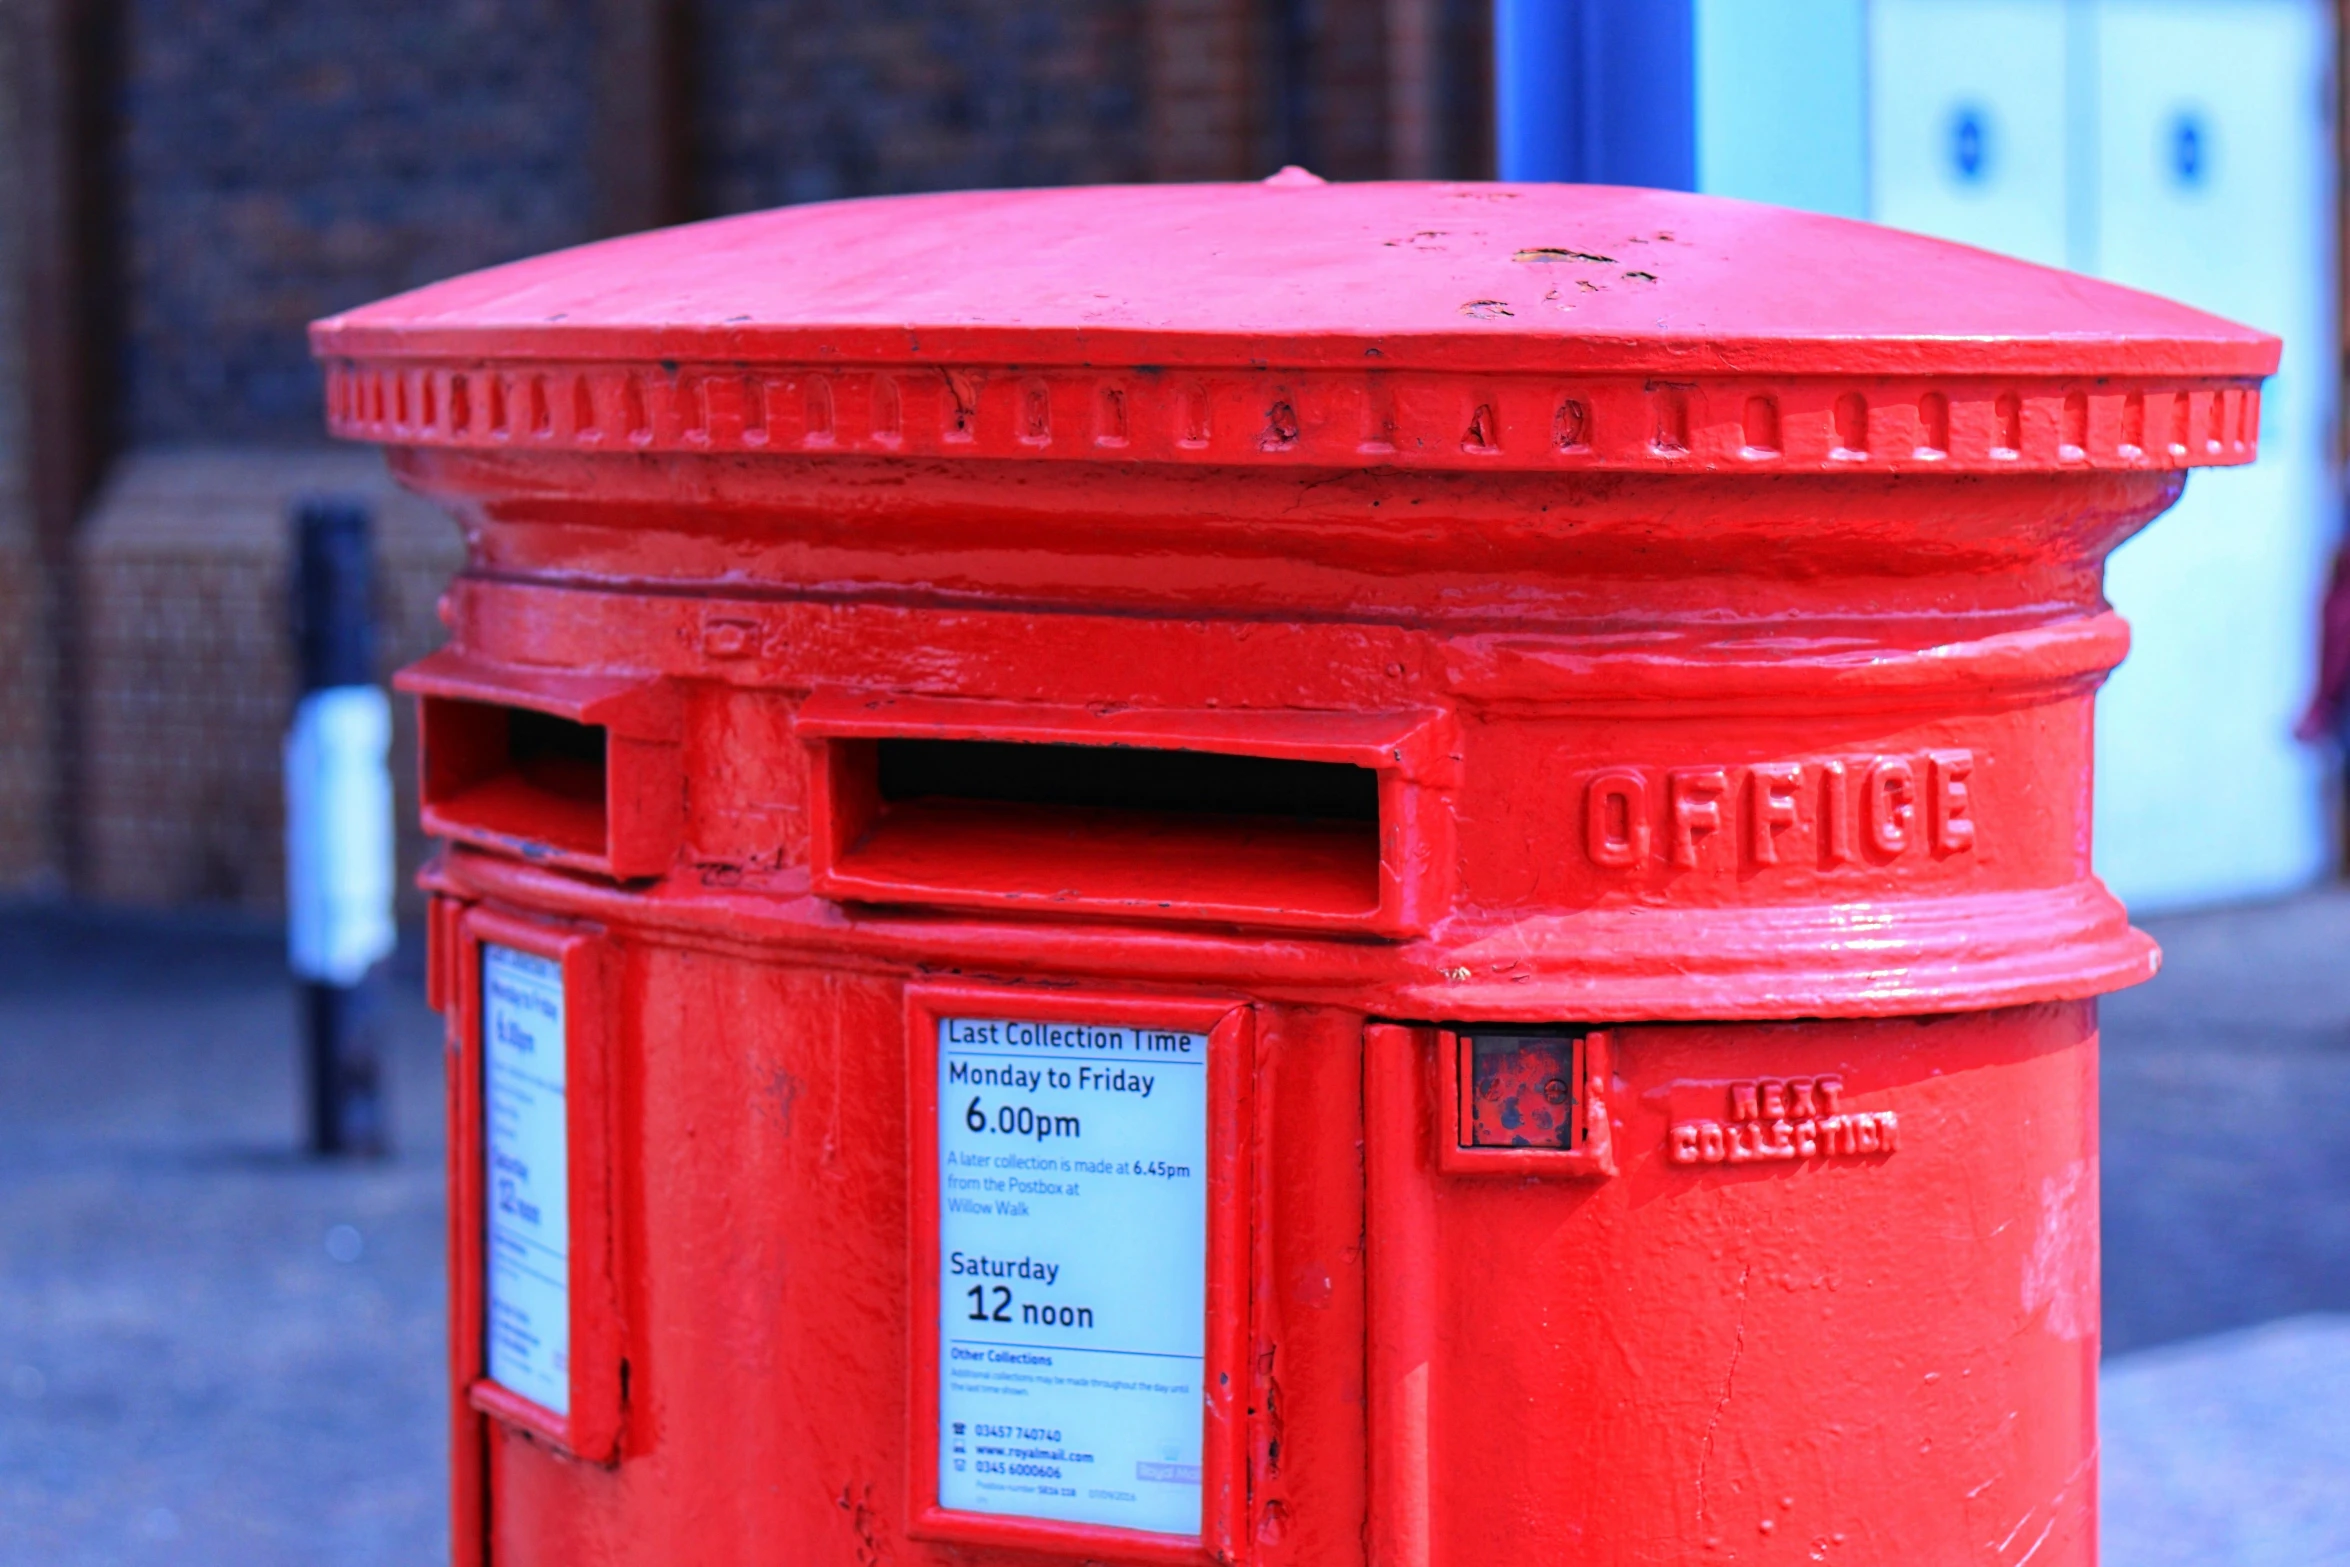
<point x="1522" y="1090"/>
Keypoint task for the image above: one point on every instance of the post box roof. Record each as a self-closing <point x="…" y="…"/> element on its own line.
<point x="1295" y="273"/>
<point x="1292" y="322"/>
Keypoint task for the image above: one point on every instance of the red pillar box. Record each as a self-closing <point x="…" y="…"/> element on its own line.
<point x="1278" y="874"/>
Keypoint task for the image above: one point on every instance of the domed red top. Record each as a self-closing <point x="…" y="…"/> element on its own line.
<point x="1302" y="281"/>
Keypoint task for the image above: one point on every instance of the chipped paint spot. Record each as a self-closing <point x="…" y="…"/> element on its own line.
<point x="2060" y="1276"/>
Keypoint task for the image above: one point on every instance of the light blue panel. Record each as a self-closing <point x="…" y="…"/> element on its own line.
<point x="1967" y="122"/>
<point x="2215" y="186"/>
<point x="1782" y="102"/>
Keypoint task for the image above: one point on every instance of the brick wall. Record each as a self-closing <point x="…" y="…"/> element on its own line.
<point x="830" y="98"/>
<point x="1336" y="118"/>
<point x="15" y="519"/>
<point x="280" y="161"/>
<point x="277" y="162"/>
<point x="1352" y="89"/>
<point x="824" y="98"/>
<point x="24" y="660"/>
<point x="26" y="859"/>
<point x="188" y="671"/>
<point x="1206" y="118"/>
<point x="274" y="162"/>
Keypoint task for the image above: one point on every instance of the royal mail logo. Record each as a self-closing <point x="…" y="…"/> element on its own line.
<point x="1785" y="1118"/>
<point x="1842" y="811"/>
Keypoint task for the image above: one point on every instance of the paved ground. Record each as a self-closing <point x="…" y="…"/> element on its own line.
<point x="2231" y="1450"/>
<point x="214" y="1352"/>
<point x="187" y="1372"/>
<point x="2227" y="1206"/>
<point x="2227" y="1126"/>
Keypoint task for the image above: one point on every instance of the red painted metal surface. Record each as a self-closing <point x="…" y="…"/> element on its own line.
<point x="1614" y="673"/>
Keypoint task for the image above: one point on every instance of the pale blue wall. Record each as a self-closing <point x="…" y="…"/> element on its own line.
<point x="2202" y="793"/>
<point x="1782" y="102"/>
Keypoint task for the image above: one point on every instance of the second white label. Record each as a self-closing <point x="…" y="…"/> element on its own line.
<point x="528" y="1175"/>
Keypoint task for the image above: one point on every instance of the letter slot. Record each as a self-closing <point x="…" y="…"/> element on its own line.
<point x="1298" y="820"/>
<point x="558" y="768"/>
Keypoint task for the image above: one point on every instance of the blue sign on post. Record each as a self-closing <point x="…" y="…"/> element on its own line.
<point x="1596" y="91"/>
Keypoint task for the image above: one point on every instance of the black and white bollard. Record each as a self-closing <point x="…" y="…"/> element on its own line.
<point x="339" y="862"/>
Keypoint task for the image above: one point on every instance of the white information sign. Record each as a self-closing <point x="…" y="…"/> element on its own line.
<point x="1072" y="1263"/>
<point x="528" y="1176"/>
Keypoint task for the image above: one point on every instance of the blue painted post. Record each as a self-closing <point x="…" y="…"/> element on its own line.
<point x="339" y="827"/>
<point x="1596" y="91"/>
